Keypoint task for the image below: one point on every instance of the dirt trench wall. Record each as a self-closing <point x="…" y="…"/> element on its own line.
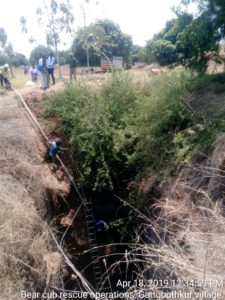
<point x="28" y="256"/>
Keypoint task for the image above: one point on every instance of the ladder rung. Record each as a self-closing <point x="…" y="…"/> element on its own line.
<point x="92" y="234"/>
<point x="91" y="222"/>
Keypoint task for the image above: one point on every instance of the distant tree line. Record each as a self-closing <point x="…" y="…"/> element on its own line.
<point x="7" y="54"/>
<point x="189" y="40"/>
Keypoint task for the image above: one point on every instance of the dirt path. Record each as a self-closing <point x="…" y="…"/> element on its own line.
<point x="27" y="254"/>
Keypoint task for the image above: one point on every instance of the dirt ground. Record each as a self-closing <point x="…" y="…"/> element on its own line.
<point x="26" y="247"/>
<point x="94" y="78"/>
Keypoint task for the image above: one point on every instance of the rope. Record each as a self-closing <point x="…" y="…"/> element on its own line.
<point x="83" y="200"/>
<point x="46" y="139"/>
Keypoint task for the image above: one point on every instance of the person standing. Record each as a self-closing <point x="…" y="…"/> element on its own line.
<point x="33" y="73"/>
<point x="25" y="70"/>
<point x="42" y="72"/>
<point x="51" y="67"/>
<point x="72" y="65"/>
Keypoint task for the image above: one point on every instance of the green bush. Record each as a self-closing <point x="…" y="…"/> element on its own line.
<point x="124" y="129"/>
<point x="97" y="126"/>
<point x="163" y="112"/>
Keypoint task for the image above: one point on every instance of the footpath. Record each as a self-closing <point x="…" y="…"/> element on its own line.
<point x="28" y="257"/>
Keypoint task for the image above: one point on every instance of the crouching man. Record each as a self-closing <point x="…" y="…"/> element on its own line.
<point x="4" y="77"/>
<point x="55" y="147"/>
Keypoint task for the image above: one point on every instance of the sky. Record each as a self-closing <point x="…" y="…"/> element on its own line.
<point x="139" y="18"/>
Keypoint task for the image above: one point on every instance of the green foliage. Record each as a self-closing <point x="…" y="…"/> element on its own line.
<point x="163" y="52"/>
<point x="188" y="40"/>
<point x="19" y="60"/>
<point x="107" y="38"/>
<point x="37" y="53"/>
<point x="163" y="113"/>
<point x="12" y="58"/>
<point x="136" y="54"/>
<point x="215" y="11"/>
<point x="123" y="129"/>
<point x="97" y="125"/>
<point x="3" y="38"/>
<point x="64" y="57"/>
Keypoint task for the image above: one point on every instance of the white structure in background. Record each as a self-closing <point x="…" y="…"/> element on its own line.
<point x="116" y="63"/>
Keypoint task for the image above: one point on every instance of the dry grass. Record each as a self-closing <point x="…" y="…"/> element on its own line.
<point x="182" y="250"/>
<point x="28" y="258"/>
<point x="186" y="244"/>
<point x="93" y="79"/>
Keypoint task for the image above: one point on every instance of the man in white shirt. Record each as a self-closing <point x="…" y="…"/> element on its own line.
<point x="51" y="67"/>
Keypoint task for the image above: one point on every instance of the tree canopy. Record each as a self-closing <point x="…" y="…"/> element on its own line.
<point x="7" y="54"/>
<point x="3" y="38"/>
<point x="186" y="40"/>
<point x="103" y="36"/>
<point x="38" y="52"/>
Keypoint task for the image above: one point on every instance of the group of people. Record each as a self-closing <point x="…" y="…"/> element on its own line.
<point x="46" y="67"/>
<point x="45" y="70"/>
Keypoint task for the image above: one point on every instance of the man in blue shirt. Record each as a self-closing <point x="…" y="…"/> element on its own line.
<point x="51" y="67"/>
<point x="55" y="146"/>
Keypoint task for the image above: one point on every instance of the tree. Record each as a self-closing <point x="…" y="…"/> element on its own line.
<point x="56" y="17"/>
<point x="38" y="51"/>
<point x="197" y="44"/>
<point x="186" y="40"/>
<point x="7" y="54"/>
<point x="19" y="60"/>
<point x="64" y="57"/>
<point x="163" y="52"/>
<point x="136" y="54"/>
<point x="214" y="10"/>
<point x="103" y="36"/>
<point x="3" y="39"/>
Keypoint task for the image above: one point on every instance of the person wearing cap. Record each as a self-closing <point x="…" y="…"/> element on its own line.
<point x="72" y="65"/>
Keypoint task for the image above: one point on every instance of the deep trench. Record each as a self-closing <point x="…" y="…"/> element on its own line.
<point x="80" y="254"/>
<point x="105" y="207"/>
